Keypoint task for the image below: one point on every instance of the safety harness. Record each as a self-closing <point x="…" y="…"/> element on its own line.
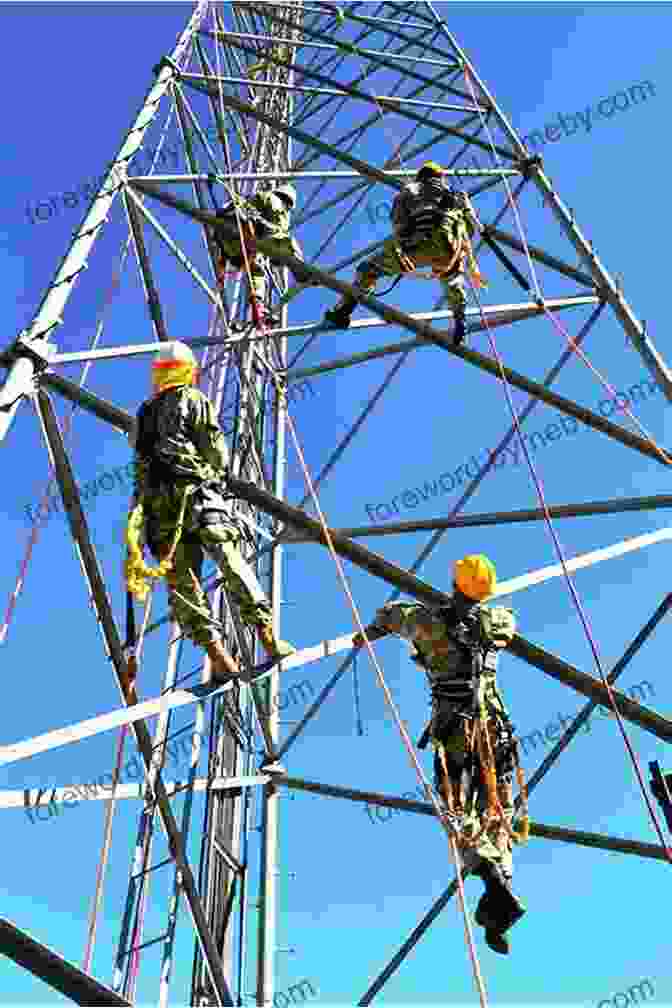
<point x="467" y="692"/>
<point x="161" y="471"/>
<point x="254" y="221"/>
<point x="425" y="219"/>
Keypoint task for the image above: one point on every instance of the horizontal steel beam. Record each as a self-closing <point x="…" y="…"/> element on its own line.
<point x="71" y="795"/>
<point x="293" y="175"/>
<point x="107" y="353"/>
<point x="354" y="794"/>
<point x="495" y="316"/>
<point x="598" y="840"/>
<point x="497" y="518"/>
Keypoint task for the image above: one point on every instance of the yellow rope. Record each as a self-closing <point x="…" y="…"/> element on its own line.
<point x="405" y="262"/>
<point x="495" y="808"/>
<point x="477" y="277"/>
<point x="523" y="835"/>
<point x="136" y="570"/>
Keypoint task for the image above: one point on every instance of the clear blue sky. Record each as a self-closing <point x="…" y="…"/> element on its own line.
<point x="74" y="77"/>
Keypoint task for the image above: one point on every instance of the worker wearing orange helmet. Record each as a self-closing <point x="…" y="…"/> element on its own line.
<point x="432" y="226"/>
<point x="458" y="647"/>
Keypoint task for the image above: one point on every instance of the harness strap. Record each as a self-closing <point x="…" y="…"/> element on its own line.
<point x="444" y="270"/>
<point x="406" y="263"/>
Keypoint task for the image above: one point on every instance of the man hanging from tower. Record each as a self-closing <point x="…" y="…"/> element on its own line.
<point x="181" y="509"/>
<point x="474" y="750"/>
<point x="432" y="226"/>
<point x="265" y="215"/>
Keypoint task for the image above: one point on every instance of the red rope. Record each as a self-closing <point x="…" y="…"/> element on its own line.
<point x="549" y="523"/>
<point x="478" y="977"/>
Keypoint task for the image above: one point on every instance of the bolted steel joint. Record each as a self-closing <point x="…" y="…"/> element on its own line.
<point x="39" y="351"/>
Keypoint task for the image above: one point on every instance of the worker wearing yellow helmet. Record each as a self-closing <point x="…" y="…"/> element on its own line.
<point x="475" y="753"/>
<point x="432" y="226"/>
<point x="182" y="510"/>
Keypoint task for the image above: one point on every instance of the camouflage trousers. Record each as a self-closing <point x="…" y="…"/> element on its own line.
<point x="220" y="539"/>
<point x="437" y="251"/>
<point x="232" y="253"/>
<point x="453" y="732"/>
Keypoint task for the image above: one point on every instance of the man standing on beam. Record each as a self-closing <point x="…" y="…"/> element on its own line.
<point x="432" y="226"/>
<point x="475" y="752"/>
<point x="266" y="215"/>
<point x="182" y="509"/>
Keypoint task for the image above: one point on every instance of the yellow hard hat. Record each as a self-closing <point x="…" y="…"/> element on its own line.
<point x="174" y="365"/>
<point x="475" y="576"/>
<point x="431" y="167"/>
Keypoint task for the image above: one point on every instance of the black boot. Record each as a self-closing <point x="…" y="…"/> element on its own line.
<point x="339" y="316"/>
<point x="486" y="917"/>
<point x="498" y="909"/>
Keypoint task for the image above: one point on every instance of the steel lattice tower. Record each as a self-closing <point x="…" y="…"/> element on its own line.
<point x="255" y="93"/>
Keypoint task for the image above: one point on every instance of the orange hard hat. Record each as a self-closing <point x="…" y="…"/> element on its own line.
<point x="475" y="576"/>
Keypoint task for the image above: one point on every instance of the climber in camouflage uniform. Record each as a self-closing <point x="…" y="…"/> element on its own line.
<point x="181" y="468"/>
<point x="266" y="215"/>
<point x="432" y="225"/>
<point x="458" y="647"/>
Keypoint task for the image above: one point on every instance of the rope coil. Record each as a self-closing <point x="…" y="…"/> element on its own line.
<point x="135" y="569"/>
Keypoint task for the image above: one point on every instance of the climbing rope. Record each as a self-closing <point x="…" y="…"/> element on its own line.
<point x="388" y="697"/>
<point x="554" y="321"/>
<point x="478" y="978"/>
<point x="443" y="819"/>
<point x="547" y="517"/>
<point x="104" y="854"/>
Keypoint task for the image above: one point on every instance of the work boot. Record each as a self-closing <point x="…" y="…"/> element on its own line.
<point x="339" y="316"/>
<point x="223" y="667"/>
<point x="274" y="648"/>
<point x="494" y="938"/>
<point x="498" y="910"/>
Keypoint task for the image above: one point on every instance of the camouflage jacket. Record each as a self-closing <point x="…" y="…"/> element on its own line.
<point x="437" y="648"/>
<point x="178" y="439"/>
<point x="418" y="203"/>
<point x="275" y="211"/>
